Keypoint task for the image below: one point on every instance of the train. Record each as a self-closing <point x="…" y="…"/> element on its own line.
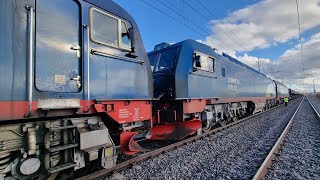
<point x="197" y="82"/>
<point x="76" y="83"/>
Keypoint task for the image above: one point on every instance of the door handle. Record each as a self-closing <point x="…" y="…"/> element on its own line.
<point x="77" y="49"/>
<point x="78" y="81"/>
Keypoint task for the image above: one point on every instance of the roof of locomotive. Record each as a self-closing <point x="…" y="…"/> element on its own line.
<point x="279" y="83"/>
<point x="208" y="50"/>
<point x="242" y="64"/>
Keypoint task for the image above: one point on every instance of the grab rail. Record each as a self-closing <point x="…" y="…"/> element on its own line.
<point x="30" y="57"/>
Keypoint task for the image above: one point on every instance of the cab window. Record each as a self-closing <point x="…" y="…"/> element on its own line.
<point x="163" y="60"/>
<point x="109" y="30"/>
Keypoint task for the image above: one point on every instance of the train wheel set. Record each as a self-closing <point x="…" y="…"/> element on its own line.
<point x="72" y="91"/>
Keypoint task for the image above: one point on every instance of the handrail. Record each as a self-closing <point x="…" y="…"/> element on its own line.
<point x="100" y="53"/>
<point x="88" y="66"/>
<point x="30" y="57"/>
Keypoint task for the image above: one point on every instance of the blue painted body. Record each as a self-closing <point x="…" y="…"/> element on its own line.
<point x="180" y="81"/>
<point x="282" y="90"/>
<point x="60" y="25"/>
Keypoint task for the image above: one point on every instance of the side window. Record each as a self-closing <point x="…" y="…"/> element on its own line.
<point x="104" y="29"/>
<point x="223" y="72"/>
<point x="211" y="64"/>
<point x="125" y="38"/>
<point x="196" y="60"/>
<point x="109" y="30"/>
<point x="203" y="62"/>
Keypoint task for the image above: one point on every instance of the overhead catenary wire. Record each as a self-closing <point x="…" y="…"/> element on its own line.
<point x="206" y="18"/>
<point x="172" y="18"/>
<point x="225" y="33"/>
<point x="235" y="35"/>
<point x="301" y="45"/>
<point x="204" y="30"/>
<point x="184" y="24"/>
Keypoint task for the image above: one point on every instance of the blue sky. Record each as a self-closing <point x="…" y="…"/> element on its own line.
<point x="156" y="27"/>
<point x="245" y="29"/>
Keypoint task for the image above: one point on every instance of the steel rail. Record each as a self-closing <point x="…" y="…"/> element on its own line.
<point x="145" y="156"/>
<point x="314" y="109"/>
<point x="263" y="170"/>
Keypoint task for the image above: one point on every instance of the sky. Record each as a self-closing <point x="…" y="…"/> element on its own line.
<point x="249" y="30"/>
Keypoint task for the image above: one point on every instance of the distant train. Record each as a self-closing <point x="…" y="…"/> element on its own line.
<point x="76" y="82"/>
<point x="294" y="94"/>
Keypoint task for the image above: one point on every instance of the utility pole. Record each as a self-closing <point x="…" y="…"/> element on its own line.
<point x="259" y="64"/>
<point x="314" y="87"/>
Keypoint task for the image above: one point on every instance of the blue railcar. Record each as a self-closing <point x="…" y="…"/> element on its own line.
<point x="293" y="94"/>
<point x="177" y="75"/>
<point x="70" y="71"/>
<point x="191" y="72"/>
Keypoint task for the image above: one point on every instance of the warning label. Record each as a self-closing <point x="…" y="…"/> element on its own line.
<point x="124" y="113"/>
<point x="136" y="115"/>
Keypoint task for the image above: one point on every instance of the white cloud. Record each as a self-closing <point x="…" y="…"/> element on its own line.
<point x="266" y="24"/>
<point x="288" y="67"/>
<point x="263" y="24"/>
<point x="253" y="61"/>
<point x="290" y="64"/>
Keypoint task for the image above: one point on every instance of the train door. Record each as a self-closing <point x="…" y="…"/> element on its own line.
<point x="58" y="46"/>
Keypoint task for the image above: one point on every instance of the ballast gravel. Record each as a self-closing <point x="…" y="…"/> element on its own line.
<point x="315" y="101"/>
<point x="235" y="153"/>
<point x="300" y="154"/>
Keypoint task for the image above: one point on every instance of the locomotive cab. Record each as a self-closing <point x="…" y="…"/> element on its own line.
<point x="180" y="69"/>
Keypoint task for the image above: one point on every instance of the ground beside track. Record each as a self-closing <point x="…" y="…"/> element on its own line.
<point x="300" y="154"/>
<point x="235" y="153"/>
<point x="315" y="101"/>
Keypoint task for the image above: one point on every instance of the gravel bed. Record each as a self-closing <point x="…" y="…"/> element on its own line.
<point x="300" y="155"/>
<point x="147" y="145"/>
<point x="235" y="153"/>
<point x="315" y="101"/>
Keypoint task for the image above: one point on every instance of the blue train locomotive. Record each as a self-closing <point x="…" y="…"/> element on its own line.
<point x="194" y="82"/>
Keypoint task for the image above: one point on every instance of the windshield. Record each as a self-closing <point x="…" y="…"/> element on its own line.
<point x="163" y="60"/>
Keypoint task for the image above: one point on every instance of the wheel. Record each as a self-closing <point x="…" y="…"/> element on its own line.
<point x="223" y="123"/>
<point x="235" y="118"/>
<point x="206" y="125"/>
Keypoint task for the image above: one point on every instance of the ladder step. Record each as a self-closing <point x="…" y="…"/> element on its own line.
<point x="63" y="147"/>
<point x="61" y="167"/>
<point x="64" y="127"/>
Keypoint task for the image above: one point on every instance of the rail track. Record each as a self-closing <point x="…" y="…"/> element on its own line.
<point x="274" y="152"/>
<point x="147" y="155"/>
